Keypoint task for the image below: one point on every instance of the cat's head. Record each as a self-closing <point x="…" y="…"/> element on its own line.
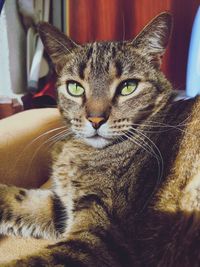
<point x="104" y="88"/>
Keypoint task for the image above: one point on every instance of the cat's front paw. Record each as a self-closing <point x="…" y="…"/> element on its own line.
<point x="11" y="199"/>
<point x="5" y="203"/>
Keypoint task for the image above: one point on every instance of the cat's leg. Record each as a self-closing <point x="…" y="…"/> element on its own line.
<point x="77" y="253"/>
<point x="96" y="246"/>
<point x="31" y="213"/>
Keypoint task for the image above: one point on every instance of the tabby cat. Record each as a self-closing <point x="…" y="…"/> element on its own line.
<point x="126" y="177"/>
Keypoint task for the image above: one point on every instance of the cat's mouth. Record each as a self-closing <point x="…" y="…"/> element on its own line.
<point x="97" y="141"/>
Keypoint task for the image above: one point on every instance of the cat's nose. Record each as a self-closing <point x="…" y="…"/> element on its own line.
<point x="96" y="121"/>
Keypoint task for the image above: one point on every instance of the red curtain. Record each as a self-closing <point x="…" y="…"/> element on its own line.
<point x="91" y="20"/>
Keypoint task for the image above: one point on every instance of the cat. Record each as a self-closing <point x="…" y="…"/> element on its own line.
<point x="126" y="172"/>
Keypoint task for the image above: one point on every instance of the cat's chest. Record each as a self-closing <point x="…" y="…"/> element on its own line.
<point x="80" y="168"/>
<point x="77" y="159"/>
<point x="70" y="162"/>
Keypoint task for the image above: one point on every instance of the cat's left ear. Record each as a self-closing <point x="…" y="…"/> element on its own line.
<point x="153" y="39"/>
<point x="56" y="43"/>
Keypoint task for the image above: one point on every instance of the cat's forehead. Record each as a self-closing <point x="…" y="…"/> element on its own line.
<point x="101" y="57"/>
<point x="103" y="50"/>
<point x="105" y="61"/>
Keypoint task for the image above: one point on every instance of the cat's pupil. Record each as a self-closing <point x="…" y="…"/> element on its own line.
<point x="75" y="89"/>
<point x="128" y="87"/>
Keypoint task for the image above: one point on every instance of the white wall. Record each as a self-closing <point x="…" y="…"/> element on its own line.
<point x="12" y="51"/>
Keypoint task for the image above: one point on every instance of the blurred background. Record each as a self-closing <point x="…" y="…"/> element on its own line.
<point x="27" y="79"/>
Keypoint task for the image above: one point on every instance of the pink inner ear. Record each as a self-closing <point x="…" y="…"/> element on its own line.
<point x="156" y="60"/>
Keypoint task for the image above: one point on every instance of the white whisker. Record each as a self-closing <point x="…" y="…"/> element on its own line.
<point x="25" y="149"/>
<point x="56" y="138"/>
<point x="157" y="155"/>
<point x="142" y="145"/>
<point x="43" y="134"/>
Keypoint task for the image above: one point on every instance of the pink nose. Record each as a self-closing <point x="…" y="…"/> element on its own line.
<point x="96" y="121"/>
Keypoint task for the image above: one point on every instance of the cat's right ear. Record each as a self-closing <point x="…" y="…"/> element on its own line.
<point x="153" y="39"/>
<point x="56" y="44"/>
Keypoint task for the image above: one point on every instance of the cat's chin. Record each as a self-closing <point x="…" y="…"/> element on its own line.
<point x="97" y="141"/>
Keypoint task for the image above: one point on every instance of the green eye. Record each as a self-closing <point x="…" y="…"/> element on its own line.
<point x="75" y="89"/>
<point x="128" y="87"/>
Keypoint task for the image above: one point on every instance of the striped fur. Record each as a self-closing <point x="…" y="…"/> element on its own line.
<point x="125" y="194"/>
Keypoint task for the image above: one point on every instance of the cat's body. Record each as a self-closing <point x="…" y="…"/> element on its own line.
<point x="126" y="180"/>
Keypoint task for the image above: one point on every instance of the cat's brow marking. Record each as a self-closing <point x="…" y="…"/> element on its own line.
<point x="119" y="68"/>
<point x="82" y="67"/>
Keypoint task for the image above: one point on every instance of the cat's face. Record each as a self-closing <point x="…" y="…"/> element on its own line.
<point x="106" y="88"/>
